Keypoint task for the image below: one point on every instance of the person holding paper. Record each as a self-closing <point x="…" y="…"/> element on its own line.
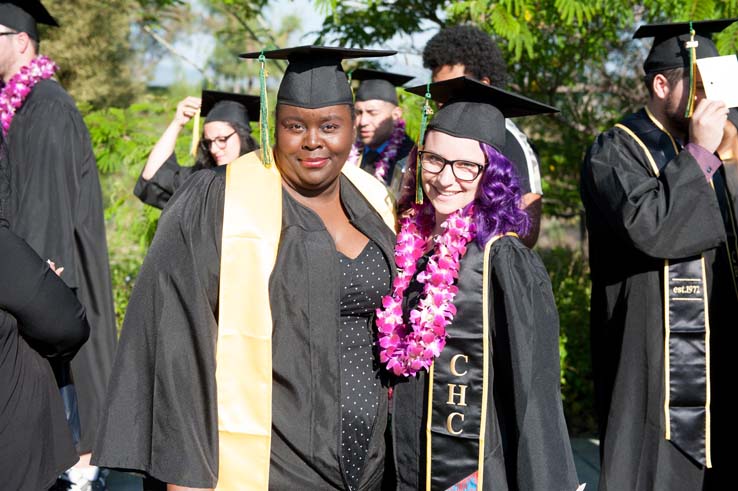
<point x="226" y="135"/>
<point x="662" y="234"/>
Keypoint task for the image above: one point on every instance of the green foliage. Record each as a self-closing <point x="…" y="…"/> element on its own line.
<point x="122" y="140"/>
<point x="92" y="50"/>
<point x="571" y="286"/>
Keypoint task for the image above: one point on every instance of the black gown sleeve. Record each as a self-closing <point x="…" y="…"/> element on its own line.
<point x="674" y="215"/>
<point x="527" y="390"/>
<point x="159" y="189"/>
<point x="49" y="315"/>
<point x="160" y="414"/>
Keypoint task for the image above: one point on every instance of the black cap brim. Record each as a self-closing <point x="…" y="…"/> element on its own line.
<point x="667" y="30"/>
<point x="465" y="89"/>
<point x="318" y="52"/>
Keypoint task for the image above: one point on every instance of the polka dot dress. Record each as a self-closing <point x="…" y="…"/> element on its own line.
<point x="364" y="281"/>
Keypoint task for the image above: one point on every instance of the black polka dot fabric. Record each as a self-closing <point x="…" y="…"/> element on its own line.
<point x="364" y="281"/>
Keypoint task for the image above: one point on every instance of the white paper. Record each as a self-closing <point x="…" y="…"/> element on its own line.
<point x="720" y="78"/>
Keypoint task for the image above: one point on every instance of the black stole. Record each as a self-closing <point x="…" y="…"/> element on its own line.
<point x="457" y="384"/>
<point x="686" y="311"/>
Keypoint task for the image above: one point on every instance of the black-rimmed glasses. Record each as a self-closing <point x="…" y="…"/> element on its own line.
<point x="463" y="170"/>
<point x="219" y="141"/>
<point x="8" y="33"/>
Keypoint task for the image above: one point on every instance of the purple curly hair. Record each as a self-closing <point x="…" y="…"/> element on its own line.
<point x="497" y="204"/>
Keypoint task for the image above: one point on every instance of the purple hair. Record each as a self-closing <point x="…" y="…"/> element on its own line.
<point x="497" y="204"/>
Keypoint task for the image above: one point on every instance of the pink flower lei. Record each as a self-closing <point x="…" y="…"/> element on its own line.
<point x="20" y="85"/>
<point x="407" y="349"/>
<point x="388" y="154"/>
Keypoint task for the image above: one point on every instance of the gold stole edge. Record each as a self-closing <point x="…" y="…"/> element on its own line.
<point x="252" y="219"/>
<point x="708" y="389"/>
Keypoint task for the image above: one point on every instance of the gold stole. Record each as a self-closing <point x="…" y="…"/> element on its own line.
<point x="376" y="193"/>
<point x="252" y="223"/>
<point x="685" y="298"/>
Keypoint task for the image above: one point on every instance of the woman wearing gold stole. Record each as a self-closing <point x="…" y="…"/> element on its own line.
<point x="246" y="356"/>
<point x="471" y="328"/>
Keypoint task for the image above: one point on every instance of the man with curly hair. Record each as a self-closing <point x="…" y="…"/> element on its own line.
<point x="466" y="50"/>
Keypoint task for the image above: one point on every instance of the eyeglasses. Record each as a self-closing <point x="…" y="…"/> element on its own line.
<point x="220" y="141"/>
<point x="9" y="33"/>
<point x="463" y="170"/>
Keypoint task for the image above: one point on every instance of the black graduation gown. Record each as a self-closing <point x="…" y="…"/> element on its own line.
<point x="635" y="221"/>
<point x="527" y="444"/>
<point x="56" y="205"/>
<point x="162" y="185"/>
<point x="161" y="414"/>
<point x="39" y="317"/>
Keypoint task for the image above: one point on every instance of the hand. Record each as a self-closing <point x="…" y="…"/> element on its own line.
<point x="728" y="148"/>
<point x="186" y="110"/>
<point x="53" y="267"/>
<point x="707" y="123"/>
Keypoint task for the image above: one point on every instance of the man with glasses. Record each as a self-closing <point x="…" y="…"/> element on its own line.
<point x="56" y="201"/>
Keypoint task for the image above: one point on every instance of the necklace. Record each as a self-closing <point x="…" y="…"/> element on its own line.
<point x="14" y="93"/>
<point x="407" y="348"/>
<point x="388" y="154"/>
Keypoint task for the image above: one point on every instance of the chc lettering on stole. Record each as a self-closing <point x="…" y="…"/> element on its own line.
<point x="457" y="395"/>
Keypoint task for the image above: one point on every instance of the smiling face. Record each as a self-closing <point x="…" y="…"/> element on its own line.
<point x="225" y="145"/>
<point x="446" y="193"/>
<point x="312" y="145"/>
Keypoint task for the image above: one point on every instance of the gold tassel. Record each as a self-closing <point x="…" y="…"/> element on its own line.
<point x="195" y="134"/>
<point x="691" y="45"/>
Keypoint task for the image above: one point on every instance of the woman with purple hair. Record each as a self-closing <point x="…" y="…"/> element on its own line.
<point x="470" y="330"/>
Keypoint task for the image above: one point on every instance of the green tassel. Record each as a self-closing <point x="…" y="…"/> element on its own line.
<point x="427" y="111"/>
<point x="266" y="148"/>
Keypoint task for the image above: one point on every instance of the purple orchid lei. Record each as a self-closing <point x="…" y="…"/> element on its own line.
<point x="407" y="349"/>
<point x="388" y="154"/>
<point x="20" y="85"/>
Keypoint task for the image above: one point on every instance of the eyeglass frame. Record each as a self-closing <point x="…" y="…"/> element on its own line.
<point x="207" y="143"/>
<point x="9" y="33"/>
<point x="446" y="162"/>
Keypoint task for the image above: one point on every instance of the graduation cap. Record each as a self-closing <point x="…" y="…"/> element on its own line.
<point x="229" y="107"/>
<point x="472" y="109"/>
<point x="23" y="15"/>
<point x="313" y="79"/>
<point x="224" y="106"/>
<point x="670" y="49"/>
<point x="378" y="85"/>
<point x="680" y="45"/>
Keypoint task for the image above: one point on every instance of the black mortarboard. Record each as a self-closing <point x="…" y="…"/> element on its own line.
<point x="378" y="85"/>
<point x="314" y="77"/>
<point x="670" y="48"/>
<point x="229" y="107"/>
<point x="475" y="110"/>
<point x="23" y="15"/>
